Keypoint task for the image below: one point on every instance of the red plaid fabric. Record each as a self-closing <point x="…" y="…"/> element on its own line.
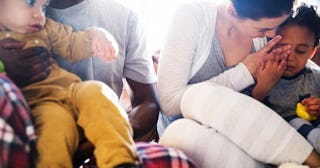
<point x="152" y="155"/>
<point x="17" y="135"/>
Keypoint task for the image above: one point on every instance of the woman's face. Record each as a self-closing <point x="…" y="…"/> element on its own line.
<point x="265" y="27"/>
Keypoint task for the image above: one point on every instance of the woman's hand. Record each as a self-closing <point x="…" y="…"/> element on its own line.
<point x="253" y="60"/>
<point x="103" y="44"/>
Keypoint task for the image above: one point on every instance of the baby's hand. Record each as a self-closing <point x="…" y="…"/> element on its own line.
<point x="103" y="44"/>
<point x="312" y="105"/>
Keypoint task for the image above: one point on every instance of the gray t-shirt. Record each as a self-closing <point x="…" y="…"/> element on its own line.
<point x="285" y="95"/>
<point x="213" y="66"/>
<point x="134" y="60"/>
<point x="287" y="92"/>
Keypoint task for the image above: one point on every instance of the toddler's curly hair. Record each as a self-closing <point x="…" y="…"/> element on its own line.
<point x="306" y="16"/>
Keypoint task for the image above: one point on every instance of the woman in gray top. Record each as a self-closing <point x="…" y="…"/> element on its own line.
<point x="206" y="59"/>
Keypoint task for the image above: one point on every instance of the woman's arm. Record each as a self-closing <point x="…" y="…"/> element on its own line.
<point x="177" y="58"/>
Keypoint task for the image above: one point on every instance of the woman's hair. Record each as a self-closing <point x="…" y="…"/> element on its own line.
<point x="307" y="17"/>
<point x="257" y="9"/>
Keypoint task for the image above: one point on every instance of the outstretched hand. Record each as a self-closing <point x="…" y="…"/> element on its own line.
<point x="253" y="60"/>
<point x="103" y="44"/>
<point x="24" y="66"/>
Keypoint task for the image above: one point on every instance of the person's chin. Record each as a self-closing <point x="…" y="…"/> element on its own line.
<point x="287" y="74"/>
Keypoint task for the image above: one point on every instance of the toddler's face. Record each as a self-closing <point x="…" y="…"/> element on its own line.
<point x="302" y="42"/>
<point x="22" y="16"/>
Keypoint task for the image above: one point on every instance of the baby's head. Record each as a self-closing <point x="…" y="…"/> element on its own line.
<point x="22" y="16"/>
<point x="302" y="32"/>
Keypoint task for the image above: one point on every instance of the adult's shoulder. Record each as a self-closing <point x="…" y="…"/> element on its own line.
<point x="313" y="66"/>
<point x="315" y="69"/>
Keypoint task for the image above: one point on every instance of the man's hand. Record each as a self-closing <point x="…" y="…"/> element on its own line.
<point x="24" y="66"/>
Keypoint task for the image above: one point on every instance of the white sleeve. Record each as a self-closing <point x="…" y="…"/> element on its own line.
<point x="176" y="60"/>
<point x="236" y="78"/>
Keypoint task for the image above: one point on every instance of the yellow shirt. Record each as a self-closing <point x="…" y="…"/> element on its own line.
<point x="59" y="39"/>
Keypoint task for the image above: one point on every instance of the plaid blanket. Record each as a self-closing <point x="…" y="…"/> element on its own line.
<point x="152" y="155"/>
<point x="17" y="136"/>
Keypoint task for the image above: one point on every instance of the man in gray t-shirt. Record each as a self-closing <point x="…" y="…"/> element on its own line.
<point x="133" y="64"/>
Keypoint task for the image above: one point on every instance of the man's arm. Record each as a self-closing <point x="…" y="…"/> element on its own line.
<point x="145" y="110"/>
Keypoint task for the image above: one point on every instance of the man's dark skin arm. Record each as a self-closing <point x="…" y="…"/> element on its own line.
<point x="24" y="66"/>
<point x="145" y="110"/>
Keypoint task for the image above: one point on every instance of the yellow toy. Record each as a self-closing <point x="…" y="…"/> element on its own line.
<point x="302" y="113"/>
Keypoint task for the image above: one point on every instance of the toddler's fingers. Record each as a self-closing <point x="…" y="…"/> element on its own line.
<point x="286" y="54"/>
<point x="313" y="107"/>
<point x="268" y="57"/>
<point x="114" y="53"/>
<point x="314" y="112"/>
<point x="109" y="53"/>
<point x="278" y="58"/>
<point x="94" y="49"/>
<point x="282" y="65"/>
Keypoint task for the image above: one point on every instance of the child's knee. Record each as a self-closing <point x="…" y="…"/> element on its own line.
<point x="94" y="90"/>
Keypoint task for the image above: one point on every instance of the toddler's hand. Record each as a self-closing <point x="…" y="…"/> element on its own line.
<point x="312" y="105"/>
<point x="103" y="44"/>
<point x="253" y="60"/>
<point x="268" y="74"/>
